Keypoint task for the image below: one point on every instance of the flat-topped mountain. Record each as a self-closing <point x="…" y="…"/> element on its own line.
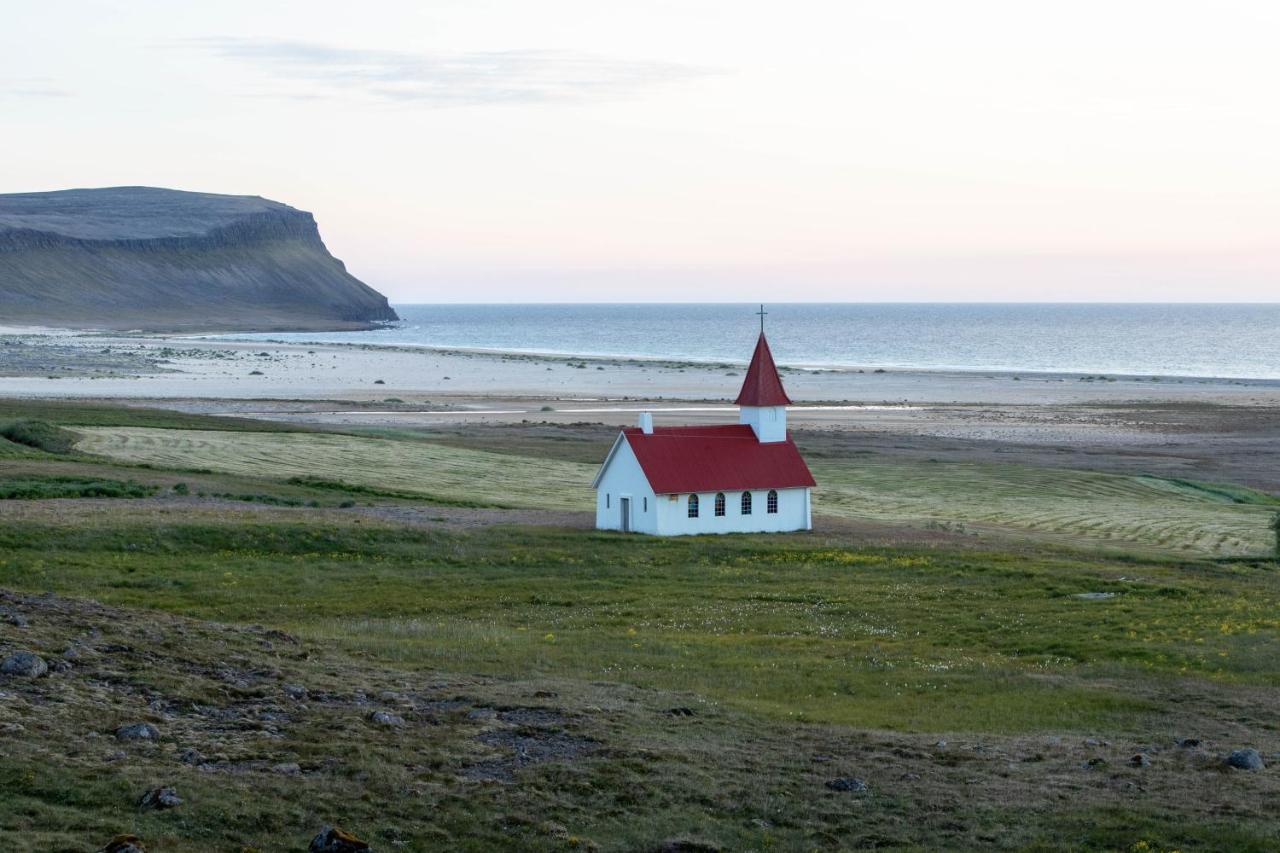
<point x="160" y="259"/>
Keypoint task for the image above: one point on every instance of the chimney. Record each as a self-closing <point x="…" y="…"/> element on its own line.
<point x="646" y="423"/>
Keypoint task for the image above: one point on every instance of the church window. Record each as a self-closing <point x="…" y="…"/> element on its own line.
<point x="771" y="503"/>
<point x="746" y="503"/>
<point x="719" y="503"/>
<point x="693" y="506"/>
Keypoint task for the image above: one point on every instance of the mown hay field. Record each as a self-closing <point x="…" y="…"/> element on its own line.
<point x="1079" y="507"/>
<point x="448" y="473"/>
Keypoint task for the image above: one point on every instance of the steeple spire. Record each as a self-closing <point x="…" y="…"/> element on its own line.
<point x="762" y="385"/>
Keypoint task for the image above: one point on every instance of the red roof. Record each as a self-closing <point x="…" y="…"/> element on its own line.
<point x="762" y="386"/>
<point x="716" y="458"/>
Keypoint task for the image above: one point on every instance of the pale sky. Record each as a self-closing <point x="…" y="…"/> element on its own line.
<point x="690" y="150"/>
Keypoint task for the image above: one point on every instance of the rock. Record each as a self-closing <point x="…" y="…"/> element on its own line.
<point x="688" y="845"/>
<point x="294" y="691"/>
<point x="124" y="844"/>
<point x="1245" y="759"/>
<point x="24" y="664"/>
<point x="160" y="798"/>
<point x="1189" y="743"/>
<point x="191" y="755"/>
<point x="137" y="731"/>
<point x="680" y="712"/>
<point x="1140" y="760"/>
<point x="13" y="617"/>
<point x="118" y="755"/>
<point x="847" y="783"/>
<point x="384" y="718"/>
<point x="291" y="768"/>
<point x="333" y="840"/>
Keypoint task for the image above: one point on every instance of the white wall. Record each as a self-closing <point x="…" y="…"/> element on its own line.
<point x="768" y="422"/>
<point x="624" y="478"/>
<point x="793" y="513"/>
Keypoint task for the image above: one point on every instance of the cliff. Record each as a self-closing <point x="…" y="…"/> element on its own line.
<point x="158" y="259"/>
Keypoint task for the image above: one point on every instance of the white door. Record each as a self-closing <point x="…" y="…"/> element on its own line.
<point x="625" y="504"/>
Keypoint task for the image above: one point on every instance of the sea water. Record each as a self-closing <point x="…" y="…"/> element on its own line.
<point x="1220" y="340"/>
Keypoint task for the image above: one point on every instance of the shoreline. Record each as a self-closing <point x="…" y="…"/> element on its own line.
<point x="41" y="362"/>
<point x="228" y="337"/>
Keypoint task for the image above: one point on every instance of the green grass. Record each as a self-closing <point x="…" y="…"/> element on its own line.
<point x="106" y="414"/>
<point x="36" y="487"/>
<point x="933" y="641"/>
<point x="1062" y="505"/>
<point x="40" y="436"/>
<point x="435" y="472"/>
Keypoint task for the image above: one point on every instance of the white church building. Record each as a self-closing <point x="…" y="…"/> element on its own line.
<point x="746" y="477"/>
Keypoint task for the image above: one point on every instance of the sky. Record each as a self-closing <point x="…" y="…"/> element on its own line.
<point x="690" y="150"/>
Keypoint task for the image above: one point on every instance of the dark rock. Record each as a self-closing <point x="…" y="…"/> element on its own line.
<point x="1189" y="743"/>
<point x="688" y="845"/>
<point x="160" y="798"/>
<point x="294" y="691"/>
<point x="680" y="712"/>
<point x="137" y="731"/>
<point x="24" y="664"/>
<point x="1245" y="759"/>
<point x="333" y="840"/>
<point x="847" y="783"/>
<point x="191" y="755"/>
<point x="124" y="844"/>
<point x="1140" y="760"/>
<point x="385" y="718"/>
<point x="1096" y="762"/>
<point x="13" y="617"/>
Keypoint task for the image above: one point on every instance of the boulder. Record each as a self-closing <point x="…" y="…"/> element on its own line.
<point x="1245" y="759"/>
<point x="137" y="731"/>
<point x="847" y="783"/>
<point x="385" y="718"/>
<point x="24" y="664"/>
<point x="331" y="839"/>
<point x="124" y="844"/>
<point x="160" y="798"/>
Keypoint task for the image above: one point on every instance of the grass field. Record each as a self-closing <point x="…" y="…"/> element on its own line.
<point x="569" y="689"/>
<point x="1070" y="506"/>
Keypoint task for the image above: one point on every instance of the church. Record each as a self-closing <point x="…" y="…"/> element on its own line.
<point x="746" y="477"/>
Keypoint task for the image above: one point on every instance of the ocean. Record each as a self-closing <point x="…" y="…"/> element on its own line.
<point x="1220" y="340"/>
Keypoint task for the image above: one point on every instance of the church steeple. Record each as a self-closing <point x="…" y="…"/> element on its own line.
<point x="763" y="401"/>
<point x="762" y="385"/>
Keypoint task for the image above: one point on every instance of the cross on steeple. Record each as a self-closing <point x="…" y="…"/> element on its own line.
<point x="762" y="314"/>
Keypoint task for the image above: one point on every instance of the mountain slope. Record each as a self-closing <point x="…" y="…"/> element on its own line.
<point x="142" y="257"/>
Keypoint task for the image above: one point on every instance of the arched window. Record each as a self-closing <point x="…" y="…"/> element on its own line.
<point x="693" y="506"/>
<point x="771" y="503"/>
<point x="746" y="503"/>
<point x="719" y="503"/>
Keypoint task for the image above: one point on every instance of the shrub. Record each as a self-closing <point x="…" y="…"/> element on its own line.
<point x="40" y="435"/>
